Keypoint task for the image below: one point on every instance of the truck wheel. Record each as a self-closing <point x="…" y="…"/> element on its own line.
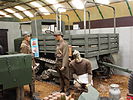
<point x="130" y="84"/>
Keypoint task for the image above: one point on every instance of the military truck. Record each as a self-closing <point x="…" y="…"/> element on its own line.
<point x="15" y="72"/>
<point x="95" y="47"/>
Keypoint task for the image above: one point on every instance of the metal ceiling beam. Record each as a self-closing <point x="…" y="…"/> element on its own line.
<point x="18" y="3"/>
<point x="10" y="14"/>
<point x="22" y="11"/>
<point x="24" y="14"/>
<point x="32" y="1"/>
<point x="25" y="3"/>
<point x="74" y="11"/>
<point x="129" y="8"/>
<point x="33" y="9"/>
<point x="48" y="6"/>
<point x="99" y="10"/>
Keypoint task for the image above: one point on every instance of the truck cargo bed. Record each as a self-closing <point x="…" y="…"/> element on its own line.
<point x="90" y="45"/>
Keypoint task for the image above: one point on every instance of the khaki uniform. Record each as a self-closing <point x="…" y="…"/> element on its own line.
<point x="26" y="49"/>
<point x="62" y="57"/>
<point x="81" y="68"/>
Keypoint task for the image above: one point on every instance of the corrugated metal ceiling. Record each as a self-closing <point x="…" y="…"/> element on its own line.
<point x="26" y="4"/>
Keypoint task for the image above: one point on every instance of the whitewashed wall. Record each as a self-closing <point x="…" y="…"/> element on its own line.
<point x="13" y="33"/>
<point x="26" y="29"/>
<point x="125" y="43"/>
<point x="125" y="40"/>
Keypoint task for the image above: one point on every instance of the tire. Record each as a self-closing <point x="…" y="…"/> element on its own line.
<point x="130" y="84"/>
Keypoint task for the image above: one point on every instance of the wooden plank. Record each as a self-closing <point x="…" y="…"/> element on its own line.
<point x="66" y="37"/>
<point x="114" y="50"/>
<point x="78" y="42"/>
<point x="80" y="49"/>
<point x="49" y="51"/>
<point x="42" y="51"/>
<point x="92" y="36"/>
<point x="40" y="40"/>
<point x="41" y="43"/>
<point x="50" y="48"/>
<point x="50" y="43"/>
<point x="91" y="42"/>
<point x="103" y="40"/>
<point x="40" y="37"/>
<point x="81" y="36"/>
<point x="103" y="35"/>
<point x="104" y="46"/>
<point x="49" y="38"/>
<point x="102" y="52"/>
<point x="114" y="45"/>
<point x="114" y="40"/>
<point x="92" y="54"/>
<point x="113" y="35"/>
<point x="78" y="36"/>
<point x="93" y="49"/>
<point x="41" y="48"/>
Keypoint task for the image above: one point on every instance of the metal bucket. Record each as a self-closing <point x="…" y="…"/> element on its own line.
<point x="114" y="92"/>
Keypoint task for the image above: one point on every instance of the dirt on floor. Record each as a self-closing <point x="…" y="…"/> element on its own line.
<point x="102" y="85"/>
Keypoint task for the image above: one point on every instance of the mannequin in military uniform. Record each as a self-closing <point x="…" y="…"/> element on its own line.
<point x="81" y="69"/>
<point x="62" y="57"/>
<point x="26" y="49"/>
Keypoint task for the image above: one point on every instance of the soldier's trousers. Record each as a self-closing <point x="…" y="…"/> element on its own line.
<point x="32" y="84"/>
<point x="64" y="81"/>
<point x="20" y="93"/>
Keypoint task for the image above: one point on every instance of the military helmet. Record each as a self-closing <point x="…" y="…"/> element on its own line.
<point x="26" y="35"/>
<point x="58" y="33"/>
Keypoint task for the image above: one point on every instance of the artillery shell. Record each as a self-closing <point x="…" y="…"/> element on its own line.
<point x="63" y="96"/>
<point x="50" y="96"/>
<point x="58" y="97"/>
<point x="54" y="98"/>
<point x="45" y="98"/>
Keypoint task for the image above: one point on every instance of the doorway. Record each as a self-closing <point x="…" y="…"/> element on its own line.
<point x="4" y="39"/>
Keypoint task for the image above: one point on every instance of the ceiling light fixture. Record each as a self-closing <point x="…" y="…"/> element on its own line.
<point x="61" y="9"/>
<point x="52" y="1"/>
<point x="18" y="15"/>
<point x="10" y="10"/>
<point x="35" y="4"/>
<point x="8" y="16"/>
<point x="42" y="9"/>
<point x="78" y="4"/>
<point x="20" y="8"/>
<point x="28" y="13"/>
<point x="103" y="1"/>
<point x="46" y="13"/>
<point x="2" y="13"/>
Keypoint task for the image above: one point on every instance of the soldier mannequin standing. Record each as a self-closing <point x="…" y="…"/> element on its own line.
<point x="26" y="49"/>
<point x="62" y="63"/>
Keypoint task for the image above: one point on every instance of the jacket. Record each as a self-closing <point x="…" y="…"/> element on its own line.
<point x="62" y="56"/>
